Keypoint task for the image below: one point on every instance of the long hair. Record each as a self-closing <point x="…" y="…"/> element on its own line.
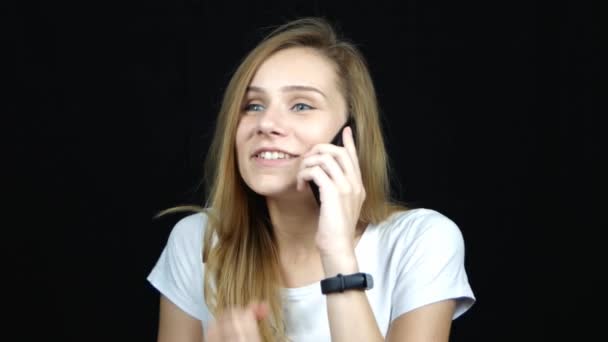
<point x="240" y="250"/>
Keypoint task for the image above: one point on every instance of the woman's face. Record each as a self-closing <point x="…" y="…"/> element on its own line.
<point x="292" y="104"/>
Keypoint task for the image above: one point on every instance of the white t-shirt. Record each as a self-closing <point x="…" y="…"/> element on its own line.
<point x="416" y="257"/>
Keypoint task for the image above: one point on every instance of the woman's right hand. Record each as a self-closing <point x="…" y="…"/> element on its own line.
<point x="238" y="324"/>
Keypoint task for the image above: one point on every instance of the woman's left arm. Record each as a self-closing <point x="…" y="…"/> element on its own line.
<point x="336" y="171"/>
<point x="351" y="317"/>
<point x="429" y="323"/>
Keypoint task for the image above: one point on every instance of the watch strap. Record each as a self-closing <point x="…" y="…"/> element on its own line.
<point x="341" y="283"/>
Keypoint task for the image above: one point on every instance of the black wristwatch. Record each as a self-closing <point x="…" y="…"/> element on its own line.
<point x="341" y="283"/>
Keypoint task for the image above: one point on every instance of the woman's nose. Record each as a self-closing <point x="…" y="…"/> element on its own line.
<point x="270" y="121"/>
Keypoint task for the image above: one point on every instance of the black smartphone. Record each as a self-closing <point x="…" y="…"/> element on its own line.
<point x="337" y="140"/>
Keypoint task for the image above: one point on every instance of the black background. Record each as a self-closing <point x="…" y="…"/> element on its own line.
<point x="487" y="109"/>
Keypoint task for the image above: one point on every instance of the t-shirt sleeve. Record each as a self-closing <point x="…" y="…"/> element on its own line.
<point x="431" y="267"/>
<point x="178" y="273"/>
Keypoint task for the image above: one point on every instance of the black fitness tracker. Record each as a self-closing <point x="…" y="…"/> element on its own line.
<point x="341" y="283"/>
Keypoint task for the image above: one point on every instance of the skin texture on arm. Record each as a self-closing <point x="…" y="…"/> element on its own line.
<point x="345" y="308"/>
<point x="430" y="323"/>
<point x="177" y="326"/>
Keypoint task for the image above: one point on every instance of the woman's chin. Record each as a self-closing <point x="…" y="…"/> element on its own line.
<point x="278" y="191"/>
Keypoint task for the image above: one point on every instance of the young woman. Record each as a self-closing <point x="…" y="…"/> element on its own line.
<point x="264" y="260"/>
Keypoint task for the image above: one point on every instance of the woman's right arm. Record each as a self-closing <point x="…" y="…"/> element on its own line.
<point x="177" y="326"/>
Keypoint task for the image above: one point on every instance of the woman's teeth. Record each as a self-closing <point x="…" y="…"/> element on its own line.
<point x="273" y="155"/>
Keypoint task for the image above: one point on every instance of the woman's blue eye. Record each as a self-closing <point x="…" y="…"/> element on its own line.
<point x="253" y="107"/>
<point x="301" y="106"/>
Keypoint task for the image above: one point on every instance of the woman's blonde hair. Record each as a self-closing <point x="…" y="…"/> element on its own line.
<point x="240" y="254"/>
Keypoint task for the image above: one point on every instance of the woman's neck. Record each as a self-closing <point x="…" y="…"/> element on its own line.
<point x="294" y="222"/>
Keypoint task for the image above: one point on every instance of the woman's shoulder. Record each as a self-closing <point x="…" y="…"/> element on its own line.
<point x="188" y="232"/>
<point x="422" y="252"/>
<point x="191" y="223"/>
<point x="412" y="224"/>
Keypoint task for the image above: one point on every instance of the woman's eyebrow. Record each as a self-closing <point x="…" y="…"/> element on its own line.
<point x="302" y="88"/>
<point x="288" y="89"/>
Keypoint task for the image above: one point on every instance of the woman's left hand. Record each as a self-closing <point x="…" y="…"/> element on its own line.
<point x="336" y="171"/>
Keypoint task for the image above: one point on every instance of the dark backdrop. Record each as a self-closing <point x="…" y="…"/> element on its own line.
<point x="487" y="109"/>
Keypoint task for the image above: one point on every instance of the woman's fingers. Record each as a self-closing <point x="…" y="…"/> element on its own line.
<point x="331" y="168"/>
<point x="238" y="324"/>
<point x="341" y="155"/>
<point x="341" y="164"/>
<point x="315" y="174"/>
<point x="349" y="145"/>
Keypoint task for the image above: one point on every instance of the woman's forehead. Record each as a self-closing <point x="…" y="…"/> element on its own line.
<point x="296" y="66"/>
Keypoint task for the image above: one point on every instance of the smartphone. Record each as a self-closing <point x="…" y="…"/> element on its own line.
<point x="337" y="140"/>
